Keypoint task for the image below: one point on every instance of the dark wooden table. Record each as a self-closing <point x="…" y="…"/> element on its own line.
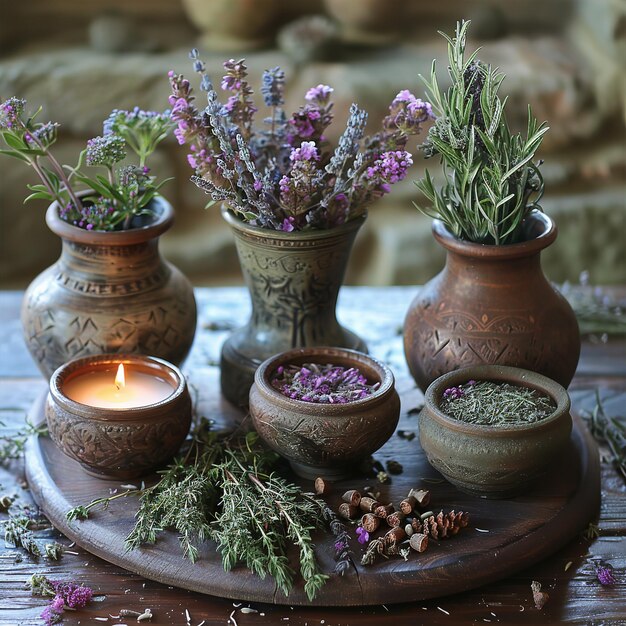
<point x="376" y="314"/>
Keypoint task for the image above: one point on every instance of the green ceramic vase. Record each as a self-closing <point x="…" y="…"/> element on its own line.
<point x="293" y="280"/>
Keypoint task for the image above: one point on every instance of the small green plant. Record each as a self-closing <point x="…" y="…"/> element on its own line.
<point x="109" y="201"/>
<point x="491" y="182"/>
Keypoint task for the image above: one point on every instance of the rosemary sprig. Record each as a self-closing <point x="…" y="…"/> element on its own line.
<point x="610" y="431"/>
<point x="12" y="445"/>
<point x="81" y="512"/>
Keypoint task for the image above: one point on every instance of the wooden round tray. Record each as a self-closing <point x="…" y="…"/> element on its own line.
<point x="520" y="531"/>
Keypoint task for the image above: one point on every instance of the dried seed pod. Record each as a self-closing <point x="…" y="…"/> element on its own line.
<point x="422" y="496"/>
<point x="408" y="504"/>
<point x="426" y="515"/>
<point x="417" y="525"/>
<point x="539" y="597"/>
<point x="370" y="522"/>
<point x="419" y="542"/>
<point x="394" y="536"/>
<point x="348" y="511"/>
<point x="384" y="510"/>
<point x="396" y="518"/>
<point x="321" y="486"/>
<point x="352" y="497"/>
<point x="368" y="504"/>
<point x="408" y="529"/>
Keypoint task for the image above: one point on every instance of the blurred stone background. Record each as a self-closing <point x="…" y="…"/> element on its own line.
<point x="566" y="58"/>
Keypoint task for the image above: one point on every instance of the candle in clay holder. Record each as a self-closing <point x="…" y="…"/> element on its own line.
<point x="119" y="416"/>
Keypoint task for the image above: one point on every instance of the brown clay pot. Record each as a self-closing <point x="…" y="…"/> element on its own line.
<point x="326" y="440"/>
<point x="109" y="292"/>
<point x="293" y="280"/>
<point x="369" y="22"/>
<point x="492" y="305"/>
<point x="234" y="25"/>
<point x="119" y="443"/>
<point x="491" y="461"/>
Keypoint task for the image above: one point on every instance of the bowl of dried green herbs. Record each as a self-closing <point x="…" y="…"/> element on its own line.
<point x="324" y="409"/>
<point x="493" y="430"/>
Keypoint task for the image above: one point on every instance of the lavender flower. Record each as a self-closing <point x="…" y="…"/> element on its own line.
<point x="105" y="151"/>
<point x="306" y="152"/>
<point x="284" y="177"/>
<point x="605" y="575"/>
<point x="273" y="87"/>
<point x="10" y="112"/>
<point x="319" y="95"/>
<point x="52" y="614"/>
<point x="453" y="392"/>
<point x="362" y="534"/>
<point x="325" y="384"/>
<point x="45" y="135"/>
<point x="391" y="167"/>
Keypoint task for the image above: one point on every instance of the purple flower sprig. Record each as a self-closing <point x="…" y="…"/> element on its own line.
<point x="362" y="535"/>
<point x="93" y="202"/>
<point x="65" y="595"/>
<point x="605" y="575"/>
<point x="324" y="384"/>
<point x="287" y="177"/>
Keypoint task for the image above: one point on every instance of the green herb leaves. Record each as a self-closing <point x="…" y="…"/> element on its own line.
<point x="490" y="180"/>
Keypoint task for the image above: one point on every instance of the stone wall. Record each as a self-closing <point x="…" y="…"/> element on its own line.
<point x="561" y="57"/>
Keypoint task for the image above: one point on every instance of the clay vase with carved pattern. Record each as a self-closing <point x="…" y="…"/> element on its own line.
<point x="492" y="305"/>
<point x="293" y="280"/>
<point x="109" y="292"/>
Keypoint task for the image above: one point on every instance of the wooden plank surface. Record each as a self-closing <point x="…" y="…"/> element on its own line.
<point x="377" y="315"/>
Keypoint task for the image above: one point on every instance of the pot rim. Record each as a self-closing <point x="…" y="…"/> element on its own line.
<point x="300" y="235"/>
<point x="497" y="373"/>
<point x="152" y="364"/>
<point x="547" y="233"/>
<point x="163" y="221"/>
<point x="326" y="354"/>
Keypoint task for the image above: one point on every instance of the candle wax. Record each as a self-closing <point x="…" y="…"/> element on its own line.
<point x="98" y="388"/>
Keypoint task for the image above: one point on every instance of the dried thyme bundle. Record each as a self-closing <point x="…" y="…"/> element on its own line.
<point x="609" y="431"/>
<point x="496" y="403"/>
<point x="223" y="489"/>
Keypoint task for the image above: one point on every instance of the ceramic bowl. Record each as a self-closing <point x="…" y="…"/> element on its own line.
<point x="119" y="443"/>
<point x="327" y="440"/>
<point x="488" y="461"/>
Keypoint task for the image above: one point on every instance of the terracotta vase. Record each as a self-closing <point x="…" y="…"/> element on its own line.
<point x="494" y="461"/>
<point x="328" y="440"/>
<point x="109" y="292"/>
<point x="293" y="280"/>
<point x="492" y="305"/>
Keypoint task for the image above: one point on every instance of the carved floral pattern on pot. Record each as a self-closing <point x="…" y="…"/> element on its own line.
<point x="323" y="438"/>
<point x="115" y="449"/>
<point x="293" y="280"/>
<point x="109" y="292"/>
<point x="492" y="305"/>
<point x="119" y="443"/>
<point x="493" y="461"/>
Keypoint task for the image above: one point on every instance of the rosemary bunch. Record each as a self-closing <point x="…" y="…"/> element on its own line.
<point x="259" y="516"/>
<point x="223" y="489"/>
<point x="490" y="180"/>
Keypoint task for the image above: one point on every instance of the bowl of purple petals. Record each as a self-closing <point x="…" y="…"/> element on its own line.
<point x="324" y="409"/>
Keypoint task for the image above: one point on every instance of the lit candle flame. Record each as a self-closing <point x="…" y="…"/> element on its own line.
<point x="120" y="378"/>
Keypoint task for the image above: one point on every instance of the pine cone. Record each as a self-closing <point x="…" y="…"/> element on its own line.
<point x="445" y="525"/>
